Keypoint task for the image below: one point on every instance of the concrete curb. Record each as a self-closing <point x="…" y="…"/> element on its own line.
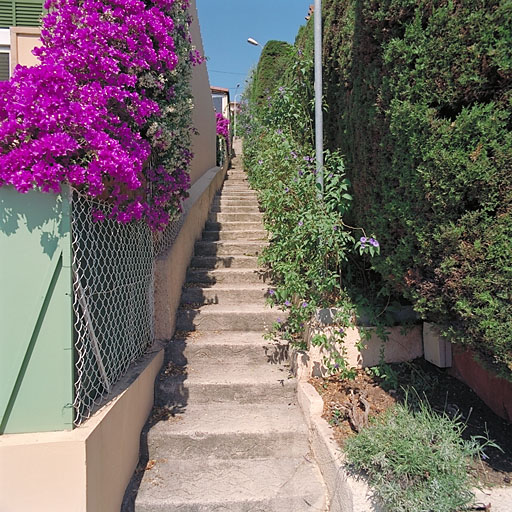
<point x="346" y="492"/>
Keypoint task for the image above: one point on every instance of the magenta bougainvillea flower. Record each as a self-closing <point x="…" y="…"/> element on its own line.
<point x="108" y="110"/>
<point x="223" y="128"/>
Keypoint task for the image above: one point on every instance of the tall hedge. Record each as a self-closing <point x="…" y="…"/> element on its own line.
<point x="272" y="66"/>
<point x="419" y="96"/>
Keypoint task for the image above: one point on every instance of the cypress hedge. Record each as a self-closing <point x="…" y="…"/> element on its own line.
<point x="420" y="97"/>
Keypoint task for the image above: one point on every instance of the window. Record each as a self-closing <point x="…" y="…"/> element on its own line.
<point x="5" y="57"/>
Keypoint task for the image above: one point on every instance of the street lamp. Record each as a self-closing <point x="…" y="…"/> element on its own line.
<point x="254" y="42"/>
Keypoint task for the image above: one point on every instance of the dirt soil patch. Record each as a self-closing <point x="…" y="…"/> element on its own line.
<point x="350" y="404"/>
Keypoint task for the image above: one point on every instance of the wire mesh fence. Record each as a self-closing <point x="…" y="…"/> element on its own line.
<point x="113" y="283"/>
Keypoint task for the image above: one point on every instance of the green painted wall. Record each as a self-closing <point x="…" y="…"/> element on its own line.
<point x="36" y="333"/>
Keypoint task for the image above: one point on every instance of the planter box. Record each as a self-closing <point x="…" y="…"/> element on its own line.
<point x="495" y="391"/>
<point x="437" y="350"/>
<point x="402" y="345"/>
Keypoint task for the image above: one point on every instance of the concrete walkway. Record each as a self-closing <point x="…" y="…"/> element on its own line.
<point x="226" y="433"/>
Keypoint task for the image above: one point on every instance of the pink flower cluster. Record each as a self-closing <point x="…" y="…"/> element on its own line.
<point x="223" y="127"/>
<point x="92" y="114"/>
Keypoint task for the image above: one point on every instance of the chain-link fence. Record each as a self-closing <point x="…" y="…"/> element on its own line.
<point x="113" y="273"/>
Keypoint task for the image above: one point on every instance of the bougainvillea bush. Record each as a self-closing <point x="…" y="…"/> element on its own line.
<point x="223" y="128"/>
<point x="108" y="108"/>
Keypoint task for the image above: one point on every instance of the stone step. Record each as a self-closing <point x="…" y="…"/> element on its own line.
<point x="226" y="275"/>
<point x="253" y="234"/>
<point x="203" y="382"/>
<point x="239" y="347"/>
<point x="229" y="248"/>
<point x="240" y="485"/>
<point x="235" y="208"/>
<point x="224" y="262"/>
<point x="230" y="431"/>
<point x="217" y="317"/>
<point x="224" y="294"/>
<point x="233" y="226"/>
<point x="234" y="217"/>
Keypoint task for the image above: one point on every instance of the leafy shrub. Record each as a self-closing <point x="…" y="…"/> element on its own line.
<point x="309" y="241"/>
<point x="416" y="461"/>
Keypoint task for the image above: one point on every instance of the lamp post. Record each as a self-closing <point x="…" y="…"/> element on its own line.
<point x="319" y="122"/>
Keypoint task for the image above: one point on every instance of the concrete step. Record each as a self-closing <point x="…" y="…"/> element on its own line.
<point x="224" y="262"/>
<point x="225" y="294"/>
<point x="218" y="317"/>
<point x="253" y="234"/>
<point x="229" y="248"/>
<point x="203" y="382"/>
<point x="240" y="187"/>
<point x="243" y="485"/>
<point x="230" y="431"/>
<point x="226" y="276"/>
<point x="239" y="347"/>
<point x="235" y="208"/>
<point x="235" y="217"/>
<point x="233" y="226"/>
<point x="235" y="202"/>
<point x="245" y="195"/>
<point x="231" y="178"/>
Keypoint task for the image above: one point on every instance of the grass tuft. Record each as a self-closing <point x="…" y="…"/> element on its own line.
<point x="416" y="460"/>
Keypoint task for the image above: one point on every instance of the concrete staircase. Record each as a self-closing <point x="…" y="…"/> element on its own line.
<point x="226" y="433"/>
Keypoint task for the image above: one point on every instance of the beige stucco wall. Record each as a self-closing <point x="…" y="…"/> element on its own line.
<point x="23" y="41"/>
<point x="171" y="267"/>
<point x="87" y="469"/>
<point x="203" y="115"/>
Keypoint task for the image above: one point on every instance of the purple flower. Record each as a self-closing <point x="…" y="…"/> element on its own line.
<point x="260" y="161"/>
<point x="279" y="132"/>
<point x="363" y="239"/>
<point x="271" y="292"/>
<point x="301" y="223"/>
<point x="294" y="155"/>
<point x="286" y="190"/>
<point x="301" y="173"/>
<point x="335" y="228"/>
<point x="287" y="303"/>
<point x="279" y="321"/>
<point x="373" y="242"/>
<point x="304" y="304"/>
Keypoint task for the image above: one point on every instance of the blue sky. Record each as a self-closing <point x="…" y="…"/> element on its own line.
<point x="226" y="25"/>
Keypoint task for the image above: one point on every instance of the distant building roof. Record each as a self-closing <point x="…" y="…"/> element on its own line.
<point x="219" y="89"/>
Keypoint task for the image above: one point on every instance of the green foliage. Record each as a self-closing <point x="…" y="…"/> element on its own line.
<point x="273" y="63"/>
<point x="309" y="241"/>
<point x="416" y="461"/>
<point x="420" y="97"/>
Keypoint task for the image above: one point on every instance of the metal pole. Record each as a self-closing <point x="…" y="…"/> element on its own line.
<point x="319" y="128"/>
